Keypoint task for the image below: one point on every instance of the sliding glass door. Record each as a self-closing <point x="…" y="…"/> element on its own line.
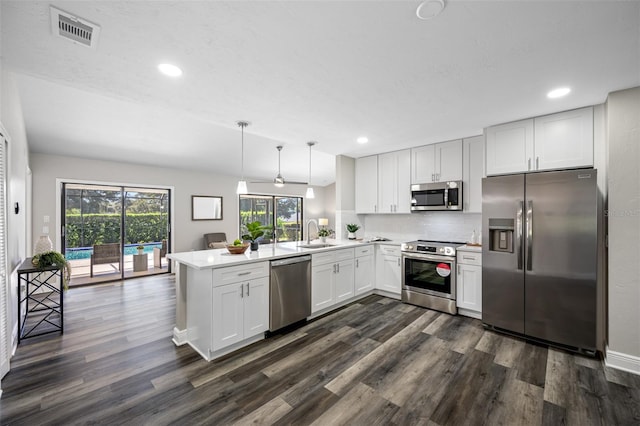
<point x="114" y="232"/>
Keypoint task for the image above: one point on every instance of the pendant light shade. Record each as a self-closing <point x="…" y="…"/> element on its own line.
<point x="242" y="184"/>
<point x="310" y="193"/>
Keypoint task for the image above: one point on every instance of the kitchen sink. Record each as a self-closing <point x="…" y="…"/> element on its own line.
<point x="315" y="246"/>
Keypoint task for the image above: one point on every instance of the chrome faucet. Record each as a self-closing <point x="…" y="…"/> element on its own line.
<point x="309" y="233"/>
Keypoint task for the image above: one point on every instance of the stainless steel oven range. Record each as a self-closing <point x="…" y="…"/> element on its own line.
<point x="429" y="274"/>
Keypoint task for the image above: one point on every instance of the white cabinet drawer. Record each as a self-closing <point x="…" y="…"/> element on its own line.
<point x="344" y="254"/>
<point x="469" y="258"/>
<point x="232" y="274"/>
<point x="389" y="250"/>
<point x="323" y="258"/>
<point x="363" y="251"/>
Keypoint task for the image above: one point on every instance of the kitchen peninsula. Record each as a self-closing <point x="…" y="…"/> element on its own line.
<point x="222" y="299"/>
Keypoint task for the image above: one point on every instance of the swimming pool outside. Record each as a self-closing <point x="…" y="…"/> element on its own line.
<point x="78" y="253"/>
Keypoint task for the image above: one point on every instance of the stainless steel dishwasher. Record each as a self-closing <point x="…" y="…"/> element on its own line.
<point x="290" y="295"/>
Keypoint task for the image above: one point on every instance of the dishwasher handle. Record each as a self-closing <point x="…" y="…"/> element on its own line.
<point x="291" y="260"/>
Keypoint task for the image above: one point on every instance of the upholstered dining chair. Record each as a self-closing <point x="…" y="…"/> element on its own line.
<point x="217" y="239"/>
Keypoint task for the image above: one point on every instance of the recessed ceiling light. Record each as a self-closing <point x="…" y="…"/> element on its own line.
<point x="429" y="9"/>
<point x="170" y="70"/>
<point x="362" y="139"/>
<point x="558" y="93"/>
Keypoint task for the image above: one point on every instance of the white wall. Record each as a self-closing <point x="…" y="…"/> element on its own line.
<point x="17" y="166"/>
<point x="187" y="233"/>
<point x="623" y="137"/>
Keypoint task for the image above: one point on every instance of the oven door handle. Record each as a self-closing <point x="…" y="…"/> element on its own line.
<point x="433" y="257"/>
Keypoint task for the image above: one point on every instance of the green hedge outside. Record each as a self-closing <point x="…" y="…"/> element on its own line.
<point x="95" y="228"/>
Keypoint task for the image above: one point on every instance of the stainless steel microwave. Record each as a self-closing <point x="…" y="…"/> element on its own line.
<point x="437" y="196"/>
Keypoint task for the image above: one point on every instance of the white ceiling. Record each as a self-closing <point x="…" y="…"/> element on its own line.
<point x="328" y="71"/>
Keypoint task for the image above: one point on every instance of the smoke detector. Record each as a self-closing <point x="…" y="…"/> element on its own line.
<point x="73" y="28"/>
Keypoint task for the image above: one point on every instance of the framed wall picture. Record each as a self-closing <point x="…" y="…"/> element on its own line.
<point x="204" y="207"/>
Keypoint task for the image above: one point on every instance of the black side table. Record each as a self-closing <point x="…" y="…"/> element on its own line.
<point x="40" y="300"/>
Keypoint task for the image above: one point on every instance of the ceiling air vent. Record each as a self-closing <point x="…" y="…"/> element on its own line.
<point x="75" y="29"/>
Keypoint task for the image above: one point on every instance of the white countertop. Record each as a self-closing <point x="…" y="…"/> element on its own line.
<point x="219" y="258"/>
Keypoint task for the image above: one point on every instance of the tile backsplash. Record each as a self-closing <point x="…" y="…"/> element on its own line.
<point x="436" y="226"/>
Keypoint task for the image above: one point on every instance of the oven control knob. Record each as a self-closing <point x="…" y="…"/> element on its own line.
<point x="409" y="247"/>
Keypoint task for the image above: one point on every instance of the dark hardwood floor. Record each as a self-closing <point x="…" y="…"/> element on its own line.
<point x="377" y="361"/>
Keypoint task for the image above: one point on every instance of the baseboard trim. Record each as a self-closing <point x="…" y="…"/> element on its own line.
<point x="622" y="361"/>
<point x="179" y="337"/>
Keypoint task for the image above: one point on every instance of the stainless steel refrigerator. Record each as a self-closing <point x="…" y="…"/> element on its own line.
<point x="540" y="255"/>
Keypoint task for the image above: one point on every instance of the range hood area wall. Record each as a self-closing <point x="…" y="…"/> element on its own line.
<point x="436" y="226"/>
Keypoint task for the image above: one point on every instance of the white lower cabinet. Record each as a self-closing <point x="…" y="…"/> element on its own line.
<point x="322" y="286"/>
<point x="332" y="278"/>
<point x="469" y="283"/>
<point x="364" y="269"/>
<point x="227" y="306"/>
<point x="389" y="270"/>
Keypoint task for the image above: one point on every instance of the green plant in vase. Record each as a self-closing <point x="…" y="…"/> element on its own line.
<point x="254" y="231"/>
<point x="54" y="258"/>
<point x="323" y="233"/>
<point x="352" y="228"/>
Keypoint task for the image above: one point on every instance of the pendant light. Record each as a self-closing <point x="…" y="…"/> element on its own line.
<point x="310" y="193"/>
<point x="242" y="184"/>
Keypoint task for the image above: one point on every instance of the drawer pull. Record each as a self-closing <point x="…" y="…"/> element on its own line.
<point x="468" y="258"/>
<point x="244" y="273"/>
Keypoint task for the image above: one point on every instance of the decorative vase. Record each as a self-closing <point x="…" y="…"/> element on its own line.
<point x="255" y="245"/>
<point x="352" y="235"/>
<point x="43" y="244"/>
<point x="140" y="251"/>
<point x="323" y="239"/>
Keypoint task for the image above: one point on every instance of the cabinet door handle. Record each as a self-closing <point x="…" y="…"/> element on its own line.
<point x="537" y="163"/>
<point x="338" y="267"/>
<point x="247" y="289"/>
<point x="334" y="268"/>
<point x="375" y="208"/>
<point x="241" y="291"/>
<point x="398" y="261"/>
<point x="529" y="164"/>
<point x="433" y="177"/>
<point x="357" y="263"/>
<point x="244" y="273"/>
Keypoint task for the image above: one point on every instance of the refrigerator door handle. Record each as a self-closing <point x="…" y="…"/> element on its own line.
<point x="529" y="234"/>
<point x="519" y="233"/>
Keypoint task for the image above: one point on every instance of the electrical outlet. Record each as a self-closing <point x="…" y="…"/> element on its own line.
<point x="46" y="219"/>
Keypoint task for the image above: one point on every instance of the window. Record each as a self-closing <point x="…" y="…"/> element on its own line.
<point x="284" y="212"/>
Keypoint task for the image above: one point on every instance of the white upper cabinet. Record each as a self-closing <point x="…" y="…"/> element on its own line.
<point x="394" y="181"/>
<point x="472" y="173"/>
<point x="423" y="169"/>
<point x="564" y="140"/>
<point x="439" y="162"/>
<point x="550" y="142"/>
<point x="509" y="147"/>
<point x="367" y="184"/>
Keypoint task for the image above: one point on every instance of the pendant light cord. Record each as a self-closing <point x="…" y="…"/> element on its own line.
<point x="242" y="125"/>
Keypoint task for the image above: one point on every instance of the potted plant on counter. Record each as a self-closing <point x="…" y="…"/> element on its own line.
<point x="352" y="228"/>
<point x="255" y="230"/>
<point x="323" y="233"/>
<point x="140" y="248"/>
